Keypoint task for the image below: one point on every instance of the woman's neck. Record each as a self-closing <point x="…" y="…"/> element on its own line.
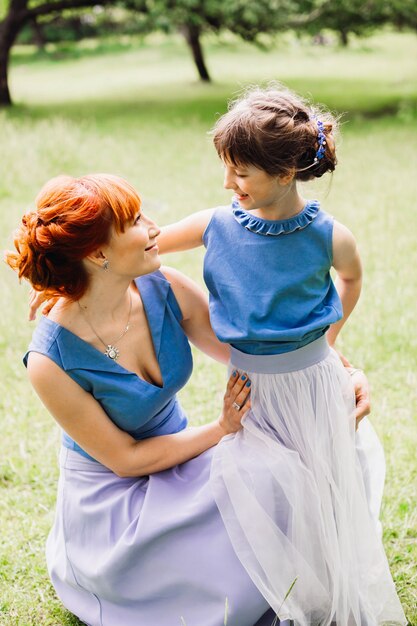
<point x="106" y="300"/>
<point x="104" y="303"/>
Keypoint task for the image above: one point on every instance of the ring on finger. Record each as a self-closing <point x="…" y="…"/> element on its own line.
<point x="236" y="406"/>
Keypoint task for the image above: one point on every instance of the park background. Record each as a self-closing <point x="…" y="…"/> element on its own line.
<point x="133" y="104"/>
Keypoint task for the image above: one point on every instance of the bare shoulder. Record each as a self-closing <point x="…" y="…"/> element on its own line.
<point x="196" y="223"/>
<point x="180" y="283"/>
<point x="44" y="372"/>
<point x="341" y="231"/>
<point x="345" y="249"/>
<point x="207" y="213"/>
<point x="202" y="218"/>
<point x="343" y="240"/>
<point x="185" y="234"/>
<point x="188" y="294"/>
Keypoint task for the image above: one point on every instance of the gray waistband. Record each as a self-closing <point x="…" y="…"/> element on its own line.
<point x="306" y="356"/>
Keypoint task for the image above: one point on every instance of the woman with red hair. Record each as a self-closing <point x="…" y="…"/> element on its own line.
<point x="137" y="539"/>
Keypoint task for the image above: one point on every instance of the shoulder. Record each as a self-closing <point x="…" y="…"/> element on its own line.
<point x="345" y="250"/>
<point x="343" y="238"/>
<point x="202" y="218"/>
<point x="216" y="219"/>
<point x="44" y="372"/>
<point x="219" y="213"/>
<point x="322" y="217"/>
<point x="180" y="284"/>
<point x="45" y="339"/>
<point x="187" y="293"/>
<point x="193" y="225"/>
<point x="339" y="230"/>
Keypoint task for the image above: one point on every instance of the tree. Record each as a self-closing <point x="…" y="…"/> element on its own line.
<point x="360" y="17"/>
<point x="350" y="16"/>
<point x="192" y="18"/>
<point x="17" y="14"/>
<point x="401" y="13"/>
<point x="245" y="18"/>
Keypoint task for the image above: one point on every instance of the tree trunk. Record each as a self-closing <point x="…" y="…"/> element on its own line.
<point x="18" y="14"/>
<point x="10" y="27"/>
<point x="7" y="37"/>
<point x="344" y="37"/>
<point x="38" y="35"/>
<point x="192" y="34"/>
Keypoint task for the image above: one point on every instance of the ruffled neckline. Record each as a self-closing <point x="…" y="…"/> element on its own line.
<point x="276" y="227"/>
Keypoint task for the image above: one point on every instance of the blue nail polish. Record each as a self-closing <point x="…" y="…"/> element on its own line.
<point x="234" y="373"/>
<point x="243" y="377"/>
<point x="248" y="383"/>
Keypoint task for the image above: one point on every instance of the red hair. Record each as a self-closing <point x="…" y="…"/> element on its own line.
<point x="73" y="218"/>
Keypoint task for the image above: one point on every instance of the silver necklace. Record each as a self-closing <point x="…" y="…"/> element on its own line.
<point x="111" y="351"/>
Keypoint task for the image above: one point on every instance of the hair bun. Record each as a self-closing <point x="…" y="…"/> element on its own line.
<point x="278" y="132"/>
<point x="74" y="217"/>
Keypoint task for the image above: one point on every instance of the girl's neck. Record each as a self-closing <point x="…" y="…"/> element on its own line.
<point x="288" y="205"/>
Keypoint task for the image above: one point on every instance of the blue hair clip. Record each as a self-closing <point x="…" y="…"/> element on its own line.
<point x="321" y="139"/>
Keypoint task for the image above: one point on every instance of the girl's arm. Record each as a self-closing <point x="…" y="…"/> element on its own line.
<point x="182" y="235"/>
<point x="347" y="264"/>
<point x="82" y="417"/>
<point x="193" y="303"/>
<point x="185" y="234"/>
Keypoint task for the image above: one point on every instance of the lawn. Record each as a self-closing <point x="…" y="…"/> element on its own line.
<point x="135" y="109"/>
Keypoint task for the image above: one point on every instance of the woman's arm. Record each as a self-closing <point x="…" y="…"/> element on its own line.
<point x="185" y="234"/>
<point x="196" y="322"/>
<point x="347" y="264"/>
<point x="82" y="417"/>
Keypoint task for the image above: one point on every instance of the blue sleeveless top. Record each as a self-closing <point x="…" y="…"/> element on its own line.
<point x="269" y="280"/>
<point x="135" y="405"/>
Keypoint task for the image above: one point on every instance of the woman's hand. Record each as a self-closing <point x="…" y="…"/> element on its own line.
<point x="36" y="298"/>
<point x="236" y="402"/>
<point x="361" y="386"/>
<point x="362" y="394"/>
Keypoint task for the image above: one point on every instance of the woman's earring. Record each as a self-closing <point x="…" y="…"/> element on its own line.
<point x="105" y="265"/>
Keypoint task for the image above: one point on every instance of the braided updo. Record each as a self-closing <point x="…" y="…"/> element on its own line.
<point x="73" y="218"/>
<point x="276" y="130"/>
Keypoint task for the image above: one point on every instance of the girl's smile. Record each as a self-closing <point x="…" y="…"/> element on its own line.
<point x="272" y="197"/>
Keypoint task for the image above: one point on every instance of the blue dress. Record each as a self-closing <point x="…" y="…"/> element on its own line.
<point x="150" y="551"/>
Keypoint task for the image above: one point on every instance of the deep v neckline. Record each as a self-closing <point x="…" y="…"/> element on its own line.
<point x="112" y="365"/>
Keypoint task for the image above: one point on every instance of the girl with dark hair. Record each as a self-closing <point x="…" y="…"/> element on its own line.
<point x="298" y="487"/>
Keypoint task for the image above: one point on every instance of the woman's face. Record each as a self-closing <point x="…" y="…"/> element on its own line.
<point x="134" y="252"/>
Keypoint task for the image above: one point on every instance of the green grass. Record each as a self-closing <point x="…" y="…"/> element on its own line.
<point x="136" y="110"/>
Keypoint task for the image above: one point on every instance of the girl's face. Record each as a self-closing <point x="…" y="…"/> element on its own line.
<point x="134" y="252"/>
<point x="253" y="187"/>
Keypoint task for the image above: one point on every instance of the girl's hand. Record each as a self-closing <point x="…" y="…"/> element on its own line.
<point x="36" y="298"/>
<point x="236" y="402"/>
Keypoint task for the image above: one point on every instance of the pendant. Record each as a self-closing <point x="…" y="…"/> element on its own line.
<point x="112" y="352"/>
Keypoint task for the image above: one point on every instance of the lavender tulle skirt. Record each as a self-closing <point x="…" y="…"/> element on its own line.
<point x="299" y="492"/>
<point x="289" y="504"/>
<point x="147" y="551"/>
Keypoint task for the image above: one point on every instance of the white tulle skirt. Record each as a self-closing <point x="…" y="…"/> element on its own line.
<point x="299" y="492"/>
